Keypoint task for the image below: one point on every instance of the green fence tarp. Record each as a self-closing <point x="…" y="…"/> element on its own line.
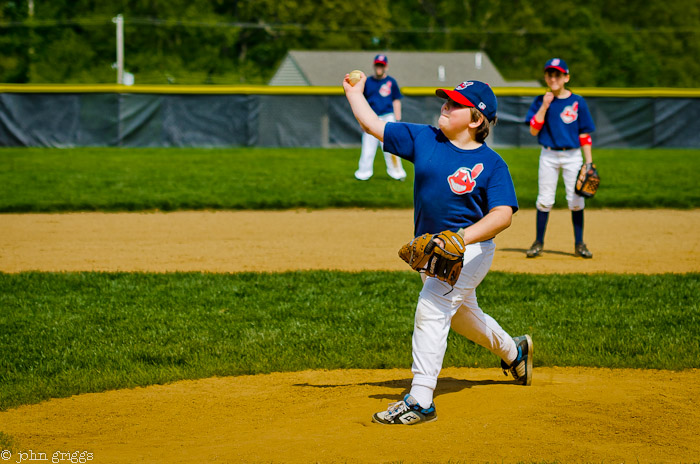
<point x="206" y="120"/>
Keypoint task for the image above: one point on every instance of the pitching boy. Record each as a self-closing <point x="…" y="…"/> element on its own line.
<point x="384" y="97"/>
<point x="563" y="124"/>
<point x="464" y="186"/>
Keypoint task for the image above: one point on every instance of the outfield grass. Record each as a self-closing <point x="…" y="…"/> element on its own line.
<point x="69" y="333"/>
<point x="114" y="179"/>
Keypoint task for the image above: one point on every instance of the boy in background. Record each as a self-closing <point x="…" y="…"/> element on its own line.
<point x="563" y="124"/>
<point x="384" y="97"/>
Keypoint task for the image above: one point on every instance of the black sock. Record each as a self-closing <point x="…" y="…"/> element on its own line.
<point x="542" y="218"/>
<point x="577" y="219"/>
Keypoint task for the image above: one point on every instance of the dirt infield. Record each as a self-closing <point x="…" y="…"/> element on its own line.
<point x="567" y="415"/>
<point x="627" y="241"/>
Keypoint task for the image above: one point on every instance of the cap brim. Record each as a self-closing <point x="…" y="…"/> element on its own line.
<point x="558" y="68"/>
<point x="383" y="63"/>
<point x="454" y="95"/>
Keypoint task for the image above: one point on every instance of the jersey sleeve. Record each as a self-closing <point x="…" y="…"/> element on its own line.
<point x="395" y="91"/>
<point x="586" y="124"/>
<point x="537" y="102"/>
<point x="400" y="139"/>
<point x="501" y="190"/>
<point x="370" y="87"/>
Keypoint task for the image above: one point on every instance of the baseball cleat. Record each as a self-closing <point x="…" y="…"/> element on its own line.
<point x="521" y="368"/>
<point x="582" y="251"/>
<point x="405" y="412"/>
<point x="400" y="176"/>
<point x="535" y="250"/>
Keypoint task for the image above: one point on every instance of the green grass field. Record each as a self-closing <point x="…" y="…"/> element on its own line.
<point x="113" y="179"/>
<point x="68" y="333"/>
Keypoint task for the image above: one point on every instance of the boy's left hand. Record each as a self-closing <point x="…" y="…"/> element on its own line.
<point x="438" y="255"/>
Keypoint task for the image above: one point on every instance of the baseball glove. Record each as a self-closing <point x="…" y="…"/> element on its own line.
<point x="425" y="254"/>
<point x="588" y="181"/>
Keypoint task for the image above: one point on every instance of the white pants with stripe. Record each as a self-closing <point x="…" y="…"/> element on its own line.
<point x="369" y="149"/>
<point x="439" y="308"/>
<point x="569" y="163"/>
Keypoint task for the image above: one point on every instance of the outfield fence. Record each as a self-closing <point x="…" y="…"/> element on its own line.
<point x="266" y="116"/>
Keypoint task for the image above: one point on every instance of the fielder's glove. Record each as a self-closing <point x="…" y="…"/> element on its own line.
<point x="588" y="181"/>
<point x="424" y="254"/>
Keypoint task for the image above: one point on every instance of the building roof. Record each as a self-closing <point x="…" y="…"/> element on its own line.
<point x="410" y="69"/>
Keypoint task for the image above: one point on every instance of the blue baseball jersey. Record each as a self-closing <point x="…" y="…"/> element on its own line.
<point x="565" y="119"/>
<point x="453" y="188"/>
<point x="381" y="93"/>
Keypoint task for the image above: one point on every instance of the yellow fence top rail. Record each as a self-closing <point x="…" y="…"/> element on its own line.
<point x="651" y="92"/>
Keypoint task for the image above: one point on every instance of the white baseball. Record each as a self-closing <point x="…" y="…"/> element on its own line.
<point x="355" y="77"/>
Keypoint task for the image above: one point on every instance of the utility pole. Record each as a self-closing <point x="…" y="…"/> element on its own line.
<point x="31" y="40"/>
<point x="119" y="21"/>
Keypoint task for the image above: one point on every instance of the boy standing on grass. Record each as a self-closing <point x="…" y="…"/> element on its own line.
<point x="461" y="185"/>
<point x="562" y="123"/>
<point x="383" y="95"/>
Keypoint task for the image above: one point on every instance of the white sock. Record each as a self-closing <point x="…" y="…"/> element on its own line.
<point x="423" y="395"/>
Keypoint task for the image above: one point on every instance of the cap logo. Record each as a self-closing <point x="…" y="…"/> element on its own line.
<point x="556" y="61"/>
<point x="463" y="85"/>
<point x="482" y="106"/>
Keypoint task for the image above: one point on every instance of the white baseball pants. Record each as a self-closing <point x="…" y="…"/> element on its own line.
<point x="438" y="308"/>
<point x="369" y="149"/>
<point x="569" y="162"/>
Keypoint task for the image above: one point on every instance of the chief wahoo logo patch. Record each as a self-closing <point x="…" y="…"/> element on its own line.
<point x="464" y="179"/>
<point x="570" y="113"/>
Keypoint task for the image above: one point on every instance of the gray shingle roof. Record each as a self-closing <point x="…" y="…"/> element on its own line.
<point x="410" y="69"/>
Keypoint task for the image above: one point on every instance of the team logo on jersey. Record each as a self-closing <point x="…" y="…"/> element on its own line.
<point x="464" y="179"/>
<point x="464" y="85"/>
<point x="385" y="90"/>
<point x="570" y="113"/>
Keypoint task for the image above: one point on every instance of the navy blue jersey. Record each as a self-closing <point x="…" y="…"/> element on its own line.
<point x="381" y="93"/>
<point x="566" y="118"/>
<point x="453" y="188"/>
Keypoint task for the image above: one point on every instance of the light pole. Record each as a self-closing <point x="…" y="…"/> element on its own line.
<point x="119" y="21"/>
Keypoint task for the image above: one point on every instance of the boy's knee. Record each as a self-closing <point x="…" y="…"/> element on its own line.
<point x="544" y="208"/>
<point x="577" y="204"/>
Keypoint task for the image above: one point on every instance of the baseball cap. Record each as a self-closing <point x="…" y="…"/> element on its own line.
<point x="475" y="94"/>
<point x="557" y="63"/>
<point x="381" y="59"/>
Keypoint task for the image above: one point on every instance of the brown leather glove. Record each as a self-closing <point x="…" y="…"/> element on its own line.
<point x="425" y="254"/>
<point x="588" y="181"/>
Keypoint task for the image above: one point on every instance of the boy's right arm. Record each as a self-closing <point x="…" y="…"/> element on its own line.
<point x="537" y="120"/>
<point x="364" y="114"/>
